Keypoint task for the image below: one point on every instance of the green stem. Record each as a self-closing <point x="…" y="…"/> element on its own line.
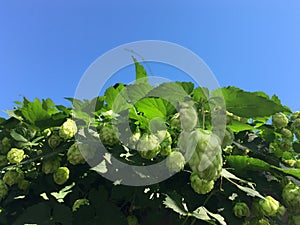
<point x="185" y="220"/>
<point x="194" y="221"/>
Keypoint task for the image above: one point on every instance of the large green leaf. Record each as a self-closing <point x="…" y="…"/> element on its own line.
<point x="249" y="104"/>
<point x="111" y="93"/>
<point x="237" y="126"/>
<point x="140" y="72"/>
<point x="34" y="111"/>
<point x="247" y="163"/>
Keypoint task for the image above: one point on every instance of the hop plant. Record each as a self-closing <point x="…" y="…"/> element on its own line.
<point x="5" y="145"/>
<point x="175" y="161"/>
<point x="74" y="155"/>
<point x="291" y="196"/>
<point x="3" y="160"/>
<point x="269" y="206"/>
<point x="206" y="160"/>
<point x="50" y="165"/>
<point x="3" y="189"/>
<point x="23" y="185"/>
<point x="294" y="220"/>
<point x="12" y="177"/>
<point x="68" y="129"/>
<point x="148" y="146"/>
<point x="132" y="220"/>
<point x="80" y="202"/>
<point x="279" y="120"/>
<point x="15" y="155"/>
<point x="165" y="140"/>
<point x="201" y="186"/>
<point x="295" y="115"/>
<point x="54" y="141"/>
<point x="241" y="209"/>
<point x="61" y="175"/>
<point x="109" y="135"/>
<point x="188" y="116"/>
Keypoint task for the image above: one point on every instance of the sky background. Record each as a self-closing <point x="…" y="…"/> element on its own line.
<point x="46" y="46"/>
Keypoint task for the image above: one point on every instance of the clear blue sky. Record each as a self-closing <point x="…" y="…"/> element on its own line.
<point x="45" y="46"/>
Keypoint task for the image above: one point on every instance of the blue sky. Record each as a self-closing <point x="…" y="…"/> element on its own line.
<point x="46" y="46"/>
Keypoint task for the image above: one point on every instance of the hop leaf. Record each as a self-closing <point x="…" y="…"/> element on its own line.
<point x="12" y="177"/>
<point x="279" y="120"/>
<point x="61" y="175"/>
<point x="68" y="129"/>
<point x="15" y="155"/>
<point x="80" y="202"/>
<point x="269" y="206"/>
<point x="175" y="162"/>
<point x="148" y="146"/>
<point x="3" y="160"/>
<point x="241" y="209"/>
<point x="201" y="186"/>
<point x="54" y="141"/>
<point x="3" y="189"/>
<point x="5" y="145"/>
<point x="50" y="165"/>
<point x="23" y="185"/>
<point x="74" y="155"/>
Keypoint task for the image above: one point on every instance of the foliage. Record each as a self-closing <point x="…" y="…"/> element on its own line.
<point x="247" y="173"/>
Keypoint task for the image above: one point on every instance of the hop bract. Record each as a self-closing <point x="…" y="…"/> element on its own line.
<point x="109" y="135"/>
<point x="54" y="141"/>
<point x="280" y="120"/>
<point x="241" y="209"/>
<point x="15" y="155"/>
<point x="3" y="189"/>
<point x="133" y="140"/>
<point x="50" y="165"/>
<point x="175" y="161"/>
<point x="148" y="146"/>
<point x="291" y="196"/>
<point x="201" y="186"/>
<point x="61" y="175"/>
<point x="80" y="202"/>
<point x="269" y="206"/>
<point x="68" y="129"/>
<point x="12" y="177"/>
<point x="74" y="155"/>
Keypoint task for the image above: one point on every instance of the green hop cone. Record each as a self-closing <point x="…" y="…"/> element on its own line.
<point x="5" y="145"/>
<point x="3" y="160"/>
<point x="133" y="140"/>
<point x="241" y="209"/>
<point x="74" y="155"/>
<point x="15" y="155"/>
<point x="109" y="135"/>
<point x="148" y="146"/>
<point x="80" y="202"/>
<point x="262" y="221"/>
<point x="68" y="129"/>
<point x="61" y="175"/>
<point x="54" y="141"/>
<point x="201" y="186"/>
<point x="188" y="116"/>
<point x="295" y="115"/>
<point x="286" y="133"/>
<point x="297" y="164"/>
<point x="296" y="124"/>
<point x="165" y="141"/>
<point x="175" y="161"/>
<point x="23" y="185"/>
<point x="294" y="220"/>
<point x="291" y="196"/>
<point x="281" y="211"/>
<point x="269" y="206"/>
<point x="3" y="189"/>
<point x="206" y="160"/>
<point x="175" y="122"/>
<point x="132" y="220"/>
<point x="12" y="177"/>
<point x="279" y="120"/>
<point x="50" y="165"/>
